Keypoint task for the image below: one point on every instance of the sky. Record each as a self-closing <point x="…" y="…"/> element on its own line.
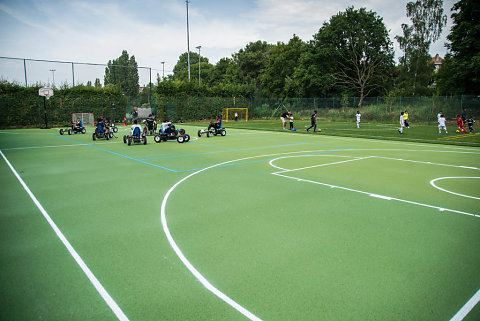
<point x="155" y="31"/>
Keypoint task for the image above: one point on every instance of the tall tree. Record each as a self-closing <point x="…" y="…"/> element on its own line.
<point x="180" y="71"/>
<point x="428" y="21"/>
<point x="277" y="76"/>
<point x="252" y="60"/>
<point x="464" y="47"/>
<point x="354" y="51"/>
<point x="123" y="72"/>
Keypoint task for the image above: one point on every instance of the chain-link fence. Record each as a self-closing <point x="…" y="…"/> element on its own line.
<point x="23" y="107"/>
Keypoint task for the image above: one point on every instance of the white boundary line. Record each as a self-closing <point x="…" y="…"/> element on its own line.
<point x="432" y="182"/>
<point x="389" y="198"/>
<point x="181" y="256"/>
<point x="465" y="310"/>
<point x="98" y="286"/>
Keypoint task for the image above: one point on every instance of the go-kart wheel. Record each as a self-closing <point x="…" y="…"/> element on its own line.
<point x="94" y="136"/>
<point x="110" y="134"/>
<point x="124" y="139"/>
<point x="84" y="130"/>
<point x="187" y="138"/>
<point x="61" y="131"/>
<point x="223" y="132"/>
<point x="69" y="131"/>
<point x="157" y="139"/>
<point x="129" y="141"/>
<point x="144" y="140"/>
<point x="181" y="131"/>
<point x="115" y="129"/>
<point x="200" y="133"/>
<point x="180" y="139"/>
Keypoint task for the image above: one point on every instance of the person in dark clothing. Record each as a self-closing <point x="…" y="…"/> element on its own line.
<point x="313" y="120"/>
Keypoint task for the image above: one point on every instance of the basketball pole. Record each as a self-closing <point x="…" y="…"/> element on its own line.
<point x="45" y="112"/>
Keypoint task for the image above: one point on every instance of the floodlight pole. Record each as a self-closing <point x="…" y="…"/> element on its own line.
<point x="163" y="70"/>
<point x="188" y="44"/>
<point x="53" y="74"/>
<point x="199" y="59"/>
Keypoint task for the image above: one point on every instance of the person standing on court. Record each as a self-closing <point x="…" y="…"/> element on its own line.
<point x="359" y="116"/>
<point x="284" y="117"/>
<point x="236" y="116"/>
<point x="405" y="119"/>
<point x="313" y="121"/>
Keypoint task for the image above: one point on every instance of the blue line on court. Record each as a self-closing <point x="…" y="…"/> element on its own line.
<point x="224" y="151"/>
<point x="195" y="169"/>
<point x="281" y="140"/>
<point x="125" y="156"/>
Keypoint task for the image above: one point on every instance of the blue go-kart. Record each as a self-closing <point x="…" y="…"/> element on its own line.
<point x="137" y="137"/>
<point x="74" y="129"/>
<point x="100" y="133"/>
<point x="213" y="129"/>
<point x="170" y="133"/>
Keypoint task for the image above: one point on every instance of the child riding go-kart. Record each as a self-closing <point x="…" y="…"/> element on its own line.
<point x="136" y="136"/>
<point x="77" y="127"/>
<point x="150" y="125"/>
<point x="102" y="131"/>
<point x="214" y="129"/>
<point x="169" y="132"/>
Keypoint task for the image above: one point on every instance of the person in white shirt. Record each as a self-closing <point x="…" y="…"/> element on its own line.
<point x="439" y="115"/>
<point x="441" y="124"/>
<point x="358" y="118"/>
<point x="402" y="123"/>
<point x="135" y="125"/>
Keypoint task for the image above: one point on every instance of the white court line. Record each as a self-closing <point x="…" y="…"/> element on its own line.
<point x="181" y="256"/>
<point x="441" y="209"/>
<point x="465" y="310"/>
<point x="432" y="182"/>
<point x="98" y="286"/>
<point x="313" y="166"/>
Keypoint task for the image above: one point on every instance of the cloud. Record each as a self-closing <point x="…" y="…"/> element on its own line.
<point x="155" y="30"/>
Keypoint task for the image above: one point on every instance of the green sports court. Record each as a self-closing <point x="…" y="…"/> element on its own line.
<point x="259" y="224"/>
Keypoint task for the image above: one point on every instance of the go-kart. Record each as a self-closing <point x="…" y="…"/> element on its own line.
<point x="136" y="137"/>
<point x="113" y="128"/>
<point x="213" y="129"/>
<point x="170" y="133"/>
<point x="101" y="133"/>
<point x="74" y="130"/>
<point x="150" y="129"/>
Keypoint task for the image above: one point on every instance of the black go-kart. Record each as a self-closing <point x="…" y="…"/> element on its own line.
<point x="100" y="133"/>
<point x="212" y="130"/>
<point x="150" y="129"/>
<point x="171" y="133"/>
<point x="136" y="138"/>
<point x="74" y="130"/>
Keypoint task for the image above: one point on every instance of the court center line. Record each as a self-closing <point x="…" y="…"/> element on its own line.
<point x="86" y="270"/>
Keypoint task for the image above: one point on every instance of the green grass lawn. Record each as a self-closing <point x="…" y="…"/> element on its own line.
<point x="263" y="223"/>
<point x="416" y="132"/>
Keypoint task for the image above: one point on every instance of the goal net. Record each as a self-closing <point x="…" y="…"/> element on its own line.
<point x="235" y="114"/>
<point x="87" y="118"/>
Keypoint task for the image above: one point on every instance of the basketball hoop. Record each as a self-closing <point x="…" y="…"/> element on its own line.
<point x="45" y="92"/>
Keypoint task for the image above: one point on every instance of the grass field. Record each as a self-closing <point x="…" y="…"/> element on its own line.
<point x="259" y="224"/>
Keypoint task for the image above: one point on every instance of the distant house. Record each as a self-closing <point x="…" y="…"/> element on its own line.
<point x="437" y="62"/>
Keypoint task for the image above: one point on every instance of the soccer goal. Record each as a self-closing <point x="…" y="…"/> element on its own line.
<point x="87" y="118"/>
<point x="240" y="113"/>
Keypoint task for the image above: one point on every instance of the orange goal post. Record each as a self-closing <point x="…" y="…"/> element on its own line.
<point x="229" y="114"/>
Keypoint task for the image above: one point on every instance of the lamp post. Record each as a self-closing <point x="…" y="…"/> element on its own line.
<point x="53" y="74"/>
<point x="199" y="60"/>
<point x="163" y="70"/>
<point x="188" y="44"/>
